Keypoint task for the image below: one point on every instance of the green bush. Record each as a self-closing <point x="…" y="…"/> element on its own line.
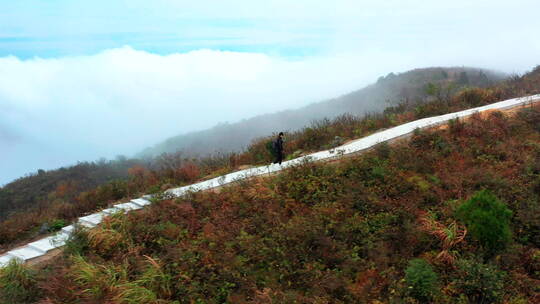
<point x="480" y="283"/>
<point x="57" y="224"/>
<point x="17" y="283"/>
<point x="421" y="280"/>
<point x="487" y="220"/>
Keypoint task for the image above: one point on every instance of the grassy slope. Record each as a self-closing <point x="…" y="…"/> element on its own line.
<point x="32" y="190"/>
<point x="66" y="200"/>
<point x="64" y="194"/>
<point x="329" y="233"/>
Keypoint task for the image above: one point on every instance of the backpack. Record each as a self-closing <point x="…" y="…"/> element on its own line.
<point x="271" y="147"/>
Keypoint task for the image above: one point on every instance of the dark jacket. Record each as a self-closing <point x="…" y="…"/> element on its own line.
<point x="278" y="145"/>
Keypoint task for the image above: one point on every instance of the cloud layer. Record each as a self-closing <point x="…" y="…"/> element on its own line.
<point x="70" y="91"/>
<point x="59" y="111"/>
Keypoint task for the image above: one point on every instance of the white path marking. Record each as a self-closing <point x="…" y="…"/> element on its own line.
<point x="45" y="244"/>
<point x="141" y="202"/>
<point x="4" y="259"/>
<point x="127" y="206"/>
<point x="26" y="253"/>
<point x="92" y="220"/>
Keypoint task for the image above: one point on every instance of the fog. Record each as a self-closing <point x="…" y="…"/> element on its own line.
<point x="84" y="81"/>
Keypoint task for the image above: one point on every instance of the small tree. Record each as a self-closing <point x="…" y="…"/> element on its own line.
<point x="487" y="220"/>
<point x="421" y="280"/>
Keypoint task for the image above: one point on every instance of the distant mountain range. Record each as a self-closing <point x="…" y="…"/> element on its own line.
<point x="415" y="85"/>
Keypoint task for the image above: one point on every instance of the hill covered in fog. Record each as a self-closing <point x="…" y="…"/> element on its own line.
<point x="415" y="85"/>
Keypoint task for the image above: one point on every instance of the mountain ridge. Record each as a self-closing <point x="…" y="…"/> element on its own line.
<point x="387" y="90"/>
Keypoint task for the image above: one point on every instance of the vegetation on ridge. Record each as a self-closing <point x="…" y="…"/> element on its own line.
<point x="344" y="232"/>
<point x="415" y="85"/>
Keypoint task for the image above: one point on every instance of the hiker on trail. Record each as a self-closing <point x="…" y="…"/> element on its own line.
<point x="278" y="148"/>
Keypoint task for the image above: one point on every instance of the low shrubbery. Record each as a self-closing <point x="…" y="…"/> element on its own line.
<point x="78" y="241"/>
<point x="57" y="224"/>
<point x="341" y="232"/>
<point x="71" y="197"/>
<point x="478" y="282"/>
<point x="421" y="280"/>
<point x="18" y="284"/>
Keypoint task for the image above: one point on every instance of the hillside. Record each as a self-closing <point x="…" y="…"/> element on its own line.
<point x="449" y="216"/>
<point x="62" y="194"/>
<point x="387" y="226"/>
<point x="32" y="190"/>
<point x="63" y="203"/>
<point x="412" y="86"/>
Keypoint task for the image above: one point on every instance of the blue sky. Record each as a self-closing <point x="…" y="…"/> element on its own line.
<point x="81" y="80"/>
<point x="55" y="28"/>
<point x="59" y="28"/>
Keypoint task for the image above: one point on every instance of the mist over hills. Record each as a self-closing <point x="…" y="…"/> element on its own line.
<point x="391" y="89"/>
<point x="415" y="85"/>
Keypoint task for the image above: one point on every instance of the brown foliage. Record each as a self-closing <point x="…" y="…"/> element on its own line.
<point x="189" y="172"/>
<point x="449" y="235"/>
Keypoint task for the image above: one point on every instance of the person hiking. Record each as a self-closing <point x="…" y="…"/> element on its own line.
<point x="278" y="148"/>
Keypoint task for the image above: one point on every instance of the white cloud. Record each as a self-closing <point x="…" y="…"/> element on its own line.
<point x="120" y="100"/>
